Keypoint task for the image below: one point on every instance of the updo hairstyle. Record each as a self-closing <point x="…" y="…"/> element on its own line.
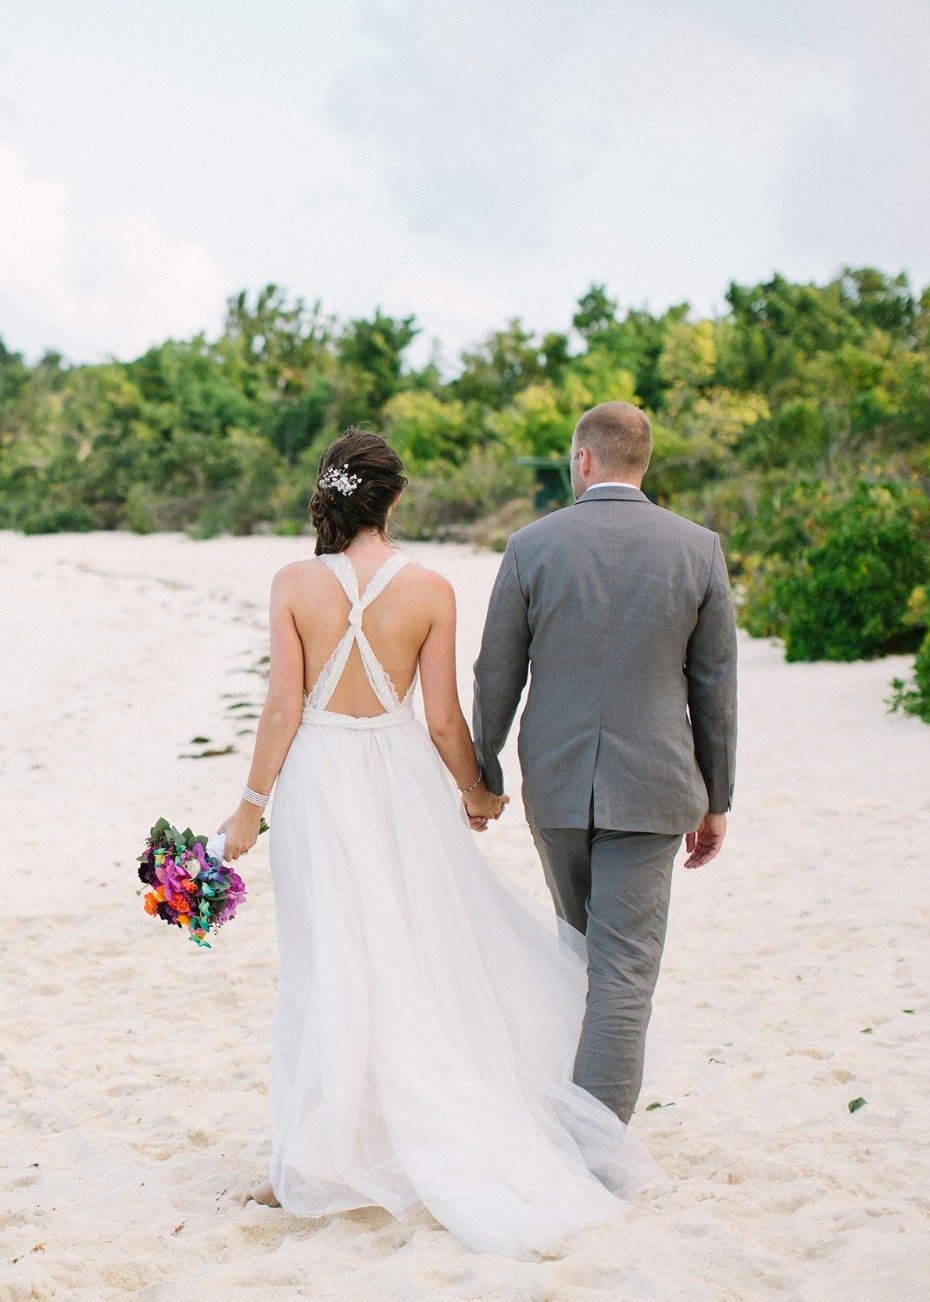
<point x="372" y="470"/>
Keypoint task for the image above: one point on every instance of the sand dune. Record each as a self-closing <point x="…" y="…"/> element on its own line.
<point x="133" y="1089"/>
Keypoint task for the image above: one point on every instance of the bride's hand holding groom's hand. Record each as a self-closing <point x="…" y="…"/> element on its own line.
<point x="481" y="805"/>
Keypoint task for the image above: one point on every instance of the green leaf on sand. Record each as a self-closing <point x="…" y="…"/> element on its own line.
<point x="856" y="1104"/>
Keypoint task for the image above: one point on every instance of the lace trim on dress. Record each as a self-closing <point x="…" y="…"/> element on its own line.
<point x="312" y="698"/>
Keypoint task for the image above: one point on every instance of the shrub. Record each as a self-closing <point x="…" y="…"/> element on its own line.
<point x="915" y="697"/>
<point x="60" y="519"/>
<point x="456" y="495"/>
<point x="844" y="594"/>
<point x="148" y="511"/>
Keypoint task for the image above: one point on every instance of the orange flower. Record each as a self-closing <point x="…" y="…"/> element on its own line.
<point x="159" y="893"/>
<point x="179" y="902"/>
<point x="151" y="903"/>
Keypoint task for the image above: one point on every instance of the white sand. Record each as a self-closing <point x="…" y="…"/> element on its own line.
<point x="134" y="1078"/>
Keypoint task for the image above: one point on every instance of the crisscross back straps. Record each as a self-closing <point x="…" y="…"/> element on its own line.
<point x="377" y="675"/>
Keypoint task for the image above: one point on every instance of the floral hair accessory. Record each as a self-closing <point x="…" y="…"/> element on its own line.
<point x="339" y="480"/>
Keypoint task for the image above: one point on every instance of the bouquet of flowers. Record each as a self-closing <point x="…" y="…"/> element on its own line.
<point x="191" y="886"/>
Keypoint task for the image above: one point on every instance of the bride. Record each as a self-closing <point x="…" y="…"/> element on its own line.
<point x="427" y="1012"/>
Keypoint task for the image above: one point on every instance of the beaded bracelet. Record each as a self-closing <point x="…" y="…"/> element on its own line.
<point x="477" y="782"/>
<point x="254" y="798"/>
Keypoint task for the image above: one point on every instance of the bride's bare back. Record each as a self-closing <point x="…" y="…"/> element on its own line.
<point x="397" y="623"/>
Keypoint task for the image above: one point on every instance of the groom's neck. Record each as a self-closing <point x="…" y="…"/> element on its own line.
<point x="627" y="480"/>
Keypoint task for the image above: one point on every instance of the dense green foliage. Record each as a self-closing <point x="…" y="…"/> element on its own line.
<point x="797" y="423"/>
<point x="834" y="567"/>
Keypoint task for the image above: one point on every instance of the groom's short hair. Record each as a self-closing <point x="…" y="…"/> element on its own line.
<point x="618" y="435"/>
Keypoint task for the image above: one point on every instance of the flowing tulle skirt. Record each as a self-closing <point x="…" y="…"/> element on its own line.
<point x="427" y="1012"/>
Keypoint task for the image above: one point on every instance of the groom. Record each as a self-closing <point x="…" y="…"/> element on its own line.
<point x="622" y="611"/>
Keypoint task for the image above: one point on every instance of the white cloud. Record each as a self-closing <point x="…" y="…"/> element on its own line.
<point x="140" y="286"/>
<point x="501" y="125"/>
<point x="666" y="146"/>
<point x="858" y="184"/>
<point x="34" y="235"/>
<point x="90" y="291"/>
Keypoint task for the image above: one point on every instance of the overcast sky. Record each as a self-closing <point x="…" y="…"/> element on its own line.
<point x="465" y="160"/>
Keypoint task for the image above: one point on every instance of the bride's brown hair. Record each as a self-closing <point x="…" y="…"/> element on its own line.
<point x="337" y="516"/>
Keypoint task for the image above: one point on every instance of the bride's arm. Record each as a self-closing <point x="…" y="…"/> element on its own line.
<point x="279" y="720"/>
<point x="444" y="718"/>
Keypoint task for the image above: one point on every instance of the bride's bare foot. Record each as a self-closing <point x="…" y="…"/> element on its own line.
<point x="264" y="1194"/>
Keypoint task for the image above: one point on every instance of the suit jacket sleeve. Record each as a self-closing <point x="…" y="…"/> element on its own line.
<point x="501" y="668"/>
<point x="711" y="672"/>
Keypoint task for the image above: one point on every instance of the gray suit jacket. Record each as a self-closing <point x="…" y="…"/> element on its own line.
<point x="622" y="612"/>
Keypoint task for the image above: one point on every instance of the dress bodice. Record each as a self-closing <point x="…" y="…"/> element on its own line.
<point x="315" y="701"/>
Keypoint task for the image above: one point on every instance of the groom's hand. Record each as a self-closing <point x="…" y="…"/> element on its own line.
<point x="704" y="844"/>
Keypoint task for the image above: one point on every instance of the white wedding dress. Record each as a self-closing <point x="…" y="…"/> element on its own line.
<point x="427" y="1011"/>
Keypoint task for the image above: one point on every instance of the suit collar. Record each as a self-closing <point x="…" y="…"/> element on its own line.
<point x="611" y="493"/>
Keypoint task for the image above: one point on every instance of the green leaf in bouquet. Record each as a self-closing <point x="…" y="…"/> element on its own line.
<point x="161" y="826"/>
<point x="263" y="827"/>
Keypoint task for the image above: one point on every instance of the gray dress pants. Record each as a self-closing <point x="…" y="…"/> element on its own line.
<point x="613" y="887"/>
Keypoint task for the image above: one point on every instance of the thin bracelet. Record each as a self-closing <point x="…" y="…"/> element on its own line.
<point x="477" y="782"/>
<point x="255" y="798"/>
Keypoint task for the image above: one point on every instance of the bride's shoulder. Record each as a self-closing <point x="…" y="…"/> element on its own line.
<point x="296" y="574"/>
<point x="429" y="585"/>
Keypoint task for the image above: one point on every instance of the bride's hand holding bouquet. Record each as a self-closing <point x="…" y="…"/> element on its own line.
<point x="242" y="829"/>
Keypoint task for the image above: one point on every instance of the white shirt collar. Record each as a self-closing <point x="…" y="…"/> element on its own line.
<point x="612" y="483"/>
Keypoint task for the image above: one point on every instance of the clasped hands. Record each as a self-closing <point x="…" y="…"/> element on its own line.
<point x="481" y="806"/>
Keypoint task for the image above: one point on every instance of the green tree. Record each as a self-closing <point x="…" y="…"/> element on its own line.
<point x="427" y="431"/>
<point x="370" y="355"/>
<point x="507" y="361"/>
